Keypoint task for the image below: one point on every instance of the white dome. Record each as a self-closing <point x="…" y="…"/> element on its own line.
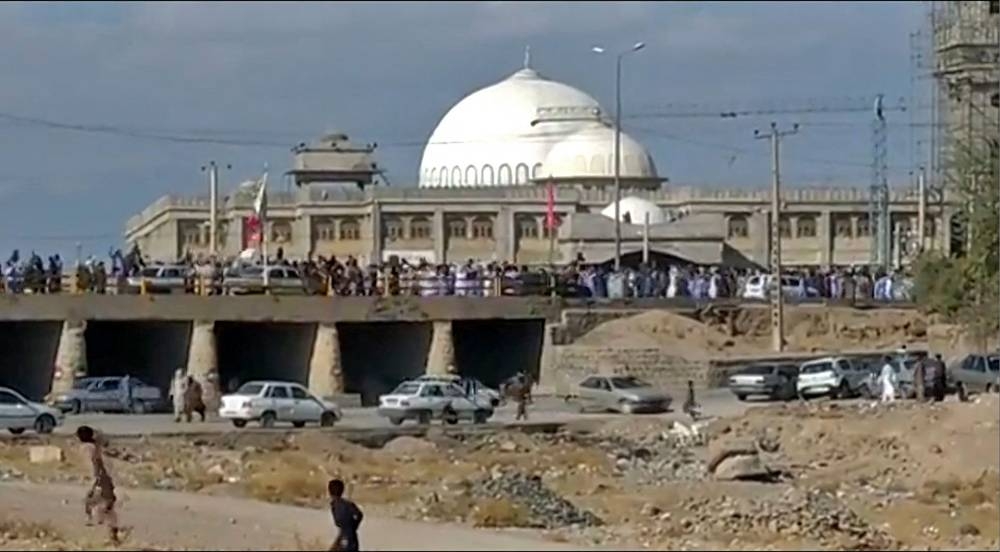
<point x="487" y="139"/>
<point x="633" y="210"/>
<point x="589" y="153"/>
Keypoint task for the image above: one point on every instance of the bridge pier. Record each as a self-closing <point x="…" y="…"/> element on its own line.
<point x="71" y="356"/>
<point x="203" y="361"/>
<point x="326" y="374"/>
<point x="441" y="357"/>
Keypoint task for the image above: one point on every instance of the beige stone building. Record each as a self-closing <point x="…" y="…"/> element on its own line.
<point x="483" y="193"/>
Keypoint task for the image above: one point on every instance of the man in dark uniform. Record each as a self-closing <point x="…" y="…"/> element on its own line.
<point x="346" y="516"/>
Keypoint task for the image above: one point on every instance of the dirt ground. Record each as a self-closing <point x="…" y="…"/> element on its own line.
<point x="845" y="476"/>
<point x="748" y="331"/>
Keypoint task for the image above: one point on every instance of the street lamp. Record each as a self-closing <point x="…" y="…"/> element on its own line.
<point x="618" y="143"/>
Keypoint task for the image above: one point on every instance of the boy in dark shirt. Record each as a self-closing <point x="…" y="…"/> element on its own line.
<point x="346" y="516"/>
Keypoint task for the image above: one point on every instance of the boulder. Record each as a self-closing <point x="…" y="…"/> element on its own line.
<point x="406" y="445"/>
<point x="46" y="454"/>
<point x="740" y="466"/>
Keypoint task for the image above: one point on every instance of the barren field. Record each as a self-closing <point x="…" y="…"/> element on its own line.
<point x="783" y="476"/>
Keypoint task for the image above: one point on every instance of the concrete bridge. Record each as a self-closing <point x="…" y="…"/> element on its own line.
<point x="335" y="345"/>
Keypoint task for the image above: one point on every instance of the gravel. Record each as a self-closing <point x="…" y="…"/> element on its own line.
<point x="548" y="508"/>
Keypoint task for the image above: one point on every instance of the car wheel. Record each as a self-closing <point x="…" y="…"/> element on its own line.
<point x="480" y="417"/>
<point x="625" y="408"/>
<point x="741" y="397"/>
<point x="866" y="392"/>
<point x="842" y="391"/>
<point x="138" y="407"/>
<point x="298" y="424"/>
<point x="989" y="388"/>
<point x="45" y="424"/>
<point x="240" y="423"/>
<point x="75" y="407"/>
<point x="267" y="419"/>
<point x="424" y="418"/>
<point x="327" y="419"/>
<point x="16" y="430"/>
<point x="396" y="421"/>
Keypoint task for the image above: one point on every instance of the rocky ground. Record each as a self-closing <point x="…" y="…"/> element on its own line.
<point x="783" y="476"/>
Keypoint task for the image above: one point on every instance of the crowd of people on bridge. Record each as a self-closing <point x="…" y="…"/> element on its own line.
<point x="349" y="277"/>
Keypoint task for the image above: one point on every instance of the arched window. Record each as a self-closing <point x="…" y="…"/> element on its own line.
<point x="864" y="229"/>
<point x="393" y="229"/>
<point x="527" y="227"/>
<point x="536" y="171"/>
<point x="805" y="226"/>
<point x="456" y="228"/>
<point x="470" y="176"/>
<point x="487" y="173"/>
<point x="503" y="175"/>
<point x="444" y="176"/>
<point x="350" y="230"/>
<point x="456" y="176"/>
<point x="281" y="232"/>
<point x="784" y="228"/>
<point x="420" y="228"/>
<point x="325" y="230"/>
<point x="482" y="228"/>
<point x="433" y="177"/>
<point x="738" y="227"/>
<point x="521" y="174"/>
<point x="842" y="227"/>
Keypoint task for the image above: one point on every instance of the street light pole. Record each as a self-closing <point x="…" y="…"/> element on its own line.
<point x="213" y="206"/>
<point x="618" y="145"/>
<point x="776" y="291"/>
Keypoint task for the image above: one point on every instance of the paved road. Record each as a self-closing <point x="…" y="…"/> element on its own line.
<point x="546" y="410"/>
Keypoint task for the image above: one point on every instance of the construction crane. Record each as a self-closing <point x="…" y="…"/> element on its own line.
<point x="878" y="218"/>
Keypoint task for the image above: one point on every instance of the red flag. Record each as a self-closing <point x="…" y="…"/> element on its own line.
<point x="550" y="209"/>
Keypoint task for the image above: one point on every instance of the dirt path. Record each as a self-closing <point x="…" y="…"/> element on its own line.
<point x="193" y="521"/>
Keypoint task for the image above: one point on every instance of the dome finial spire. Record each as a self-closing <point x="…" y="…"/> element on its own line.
<point x="527" y="57"/>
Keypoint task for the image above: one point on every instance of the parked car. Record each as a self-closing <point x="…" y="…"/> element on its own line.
<point x="794" y="287"/>
<point x="977" y="372"/>
<point x="162" y="279"/>
<point x="283" y="280"/>
<point x="624" y="394"/>
<point x="108" y="394"/>
<point x="776" y="381"/>
<point x="426" y="400"/>
<point x="18" y="414"/>
<point x="837" y="377"/>
<point x="472" y="386"/>
<point x="269" y="402"/>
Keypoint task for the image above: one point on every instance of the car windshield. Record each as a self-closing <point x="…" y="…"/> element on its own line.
<point x="82" y="384"/>
<point x="628" y="382"/>
<point x="817" y="368"/>
<point x="149" y="272"/>
<point x="755" y="371"/>
<point x="995" y="364"/>
<point x="250" y="389"/>
<point x="406" y="389"/>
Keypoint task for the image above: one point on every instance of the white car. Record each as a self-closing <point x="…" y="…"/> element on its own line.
<point x="834" y="376"/>
<point x="18" y="414"/>
<point x="424" y="400"/>
<point x="269" y="402"/>
<point x="161" y="279"/>
<point x="470" y="385"/>
<point x="793" y="287"/>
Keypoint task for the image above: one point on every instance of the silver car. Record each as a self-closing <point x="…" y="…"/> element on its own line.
<point x="106" y="394"/>
<point x="978" y="372"/>
<point x="776" y="381"/>
<point x="283" y="280"/>
<point x="624" y="394"/>
<point x="161" y="279"/>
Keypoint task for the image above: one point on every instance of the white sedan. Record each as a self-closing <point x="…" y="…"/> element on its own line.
<point x="269" y="402"/>
<point x="18" y="414"/>
<point x="425" y="400"/>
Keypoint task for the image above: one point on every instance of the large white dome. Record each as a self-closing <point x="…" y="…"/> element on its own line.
<point x="633" y="210"/>
<point x="589" y="153"/>
<point x="487" y="139"/>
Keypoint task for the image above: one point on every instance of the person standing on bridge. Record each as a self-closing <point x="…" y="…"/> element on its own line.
<point x="101" y="495"/>
<point x="347" y="518"/>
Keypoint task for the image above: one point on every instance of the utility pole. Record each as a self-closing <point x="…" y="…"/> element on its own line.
<point x="776" y="292"/>
<point x="213" y="206"/>
<point x="921" y="208"/>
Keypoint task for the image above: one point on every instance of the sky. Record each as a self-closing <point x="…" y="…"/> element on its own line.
<point x="276" y="74"/>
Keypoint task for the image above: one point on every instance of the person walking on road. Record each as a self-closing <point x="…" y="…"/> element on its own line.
<point x="691" y="406"/>
<point x="347" y="518"/>
<point x="887" y="380"/>
<point x="193" y="400"/>
<point x="522" y="395"/>
<point x="178" y="390"/>
<point x="940" y="379"/>
<point x="101" y="496"/>
<point x="920" y="378"/>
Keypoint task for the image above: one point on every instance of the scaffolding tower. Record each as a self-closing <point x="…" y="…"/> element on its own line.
<point x="878" y="203"/>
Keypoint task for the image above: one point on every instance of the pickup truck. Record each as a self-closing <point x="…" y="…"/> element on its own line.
<point x="107" y="394"/>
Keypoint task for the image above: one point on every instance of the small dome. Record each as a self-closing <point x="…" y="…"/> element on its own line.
<point x="633" y="210"/>
<point x="589" y="153"/>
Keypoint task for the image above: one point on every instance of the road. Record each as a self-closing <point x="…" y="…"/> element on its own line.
<point x="545" y="410"/>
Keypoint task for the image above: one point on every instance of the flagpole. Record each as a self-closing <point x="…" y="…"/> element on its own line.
<point x="263" y="232"/>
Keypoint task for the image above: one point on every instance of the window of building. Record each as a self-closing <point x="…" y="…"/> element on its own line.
<point x="994" y="7"/>
<point x="420" y="228"/>
<point x="456" y="228"/>
<point x="547" y="232"/>
<point x="471" y="179"/>
<point x="527" y="228"/>
<point x="325" y="231"/>
<point x="503" y="175"/>
<point x="536" y="171"/>
<point x="192" y="235"/>
<point x="521" y="174"/>
<point x="930" y="227"/>
<point x="864" y="229"/>
<point x="487" y="174"/>
<point x="281" y="232"/>
<point x="456" y="176"/>
<point x="393" y="229"/>
<point x="785" y="228"/>
<point x="350" y="230"/>
<point x="443" y="174"/>
<point x="433" y="177"/>
<point x="482" y="228"/>
<point x="842" y="227"/>
<point x="738" y="227"/>
<point x="805" y="227"/>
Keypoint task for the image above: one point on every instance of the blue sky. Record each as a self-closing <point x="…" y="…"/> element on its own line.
<point x="386" y="72"/>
